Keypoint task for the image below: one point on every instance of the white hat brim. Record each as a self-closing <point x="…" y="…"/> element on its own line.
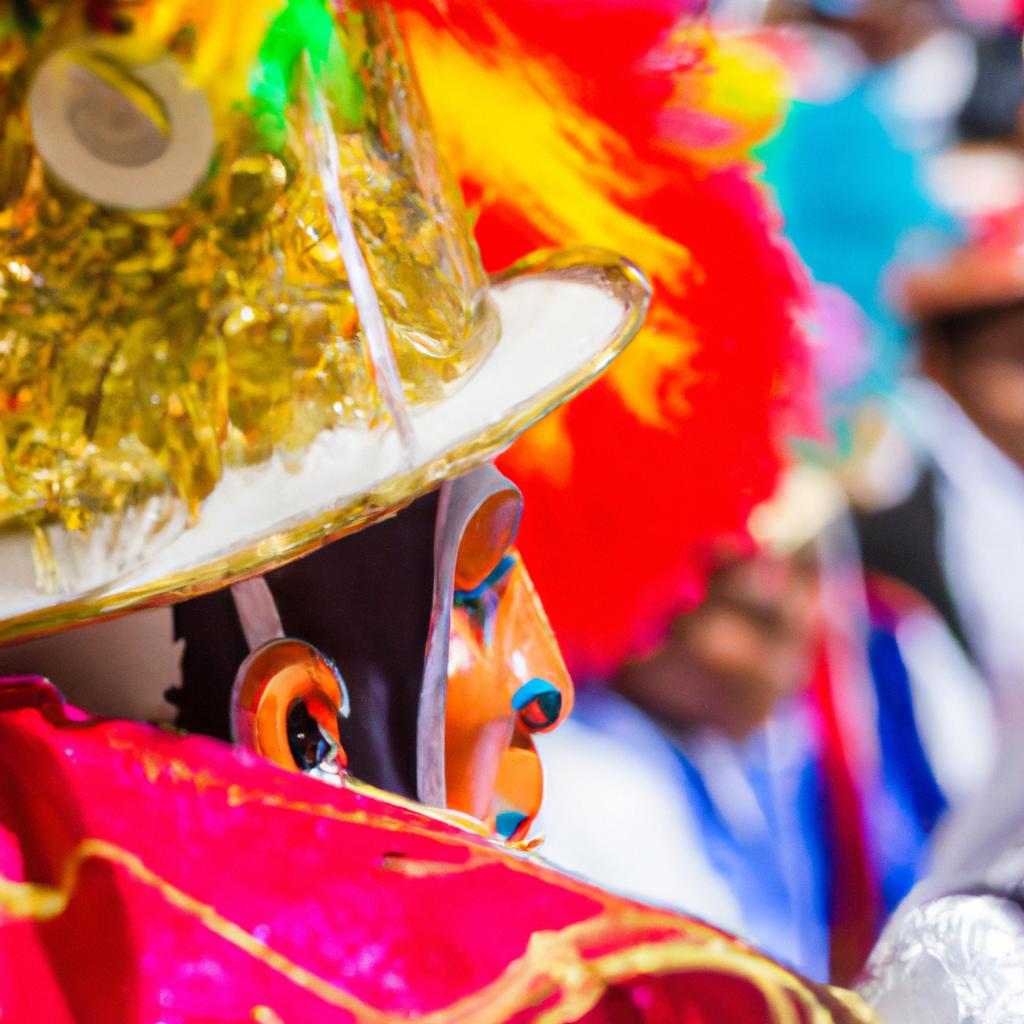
<point x="563" y="317"/>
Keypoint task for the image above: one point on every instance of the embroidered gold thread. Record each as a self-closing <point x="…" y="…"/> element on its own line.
<point x="412" y="867"/>
<point x="265" y="1015"/>
<point x="772" y="981"/>
<point x="854" y="1003"/>
<point x="236" y="795"/>
<point x="582" y="982"/>
<point x="51" y="897"/>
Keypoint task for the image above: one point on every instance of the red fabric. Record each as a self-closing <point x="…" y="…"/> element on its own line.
<point x="148" y="876"/>
<point x="624" y="546"/>
<point x="855" y="893"/>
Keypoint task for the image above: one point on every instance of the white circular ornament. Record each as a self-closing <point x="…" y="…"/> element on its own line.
<point x="136" y="138"/>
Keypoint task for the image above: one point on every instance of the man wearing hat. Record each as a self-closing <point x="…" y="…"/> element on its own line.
<point x="953" y="949"/>
<point x="952" y="538"/>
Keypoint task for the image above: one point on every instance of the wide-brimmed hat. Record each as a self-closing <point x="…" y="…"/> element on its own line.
<point x="241" y="311"/>
<point x="985" y="271"/>
<point x="983" y="186"/>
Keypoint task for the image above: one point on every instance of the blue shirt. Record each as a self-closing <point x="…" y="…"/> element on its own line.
<point x="761" y="808"/>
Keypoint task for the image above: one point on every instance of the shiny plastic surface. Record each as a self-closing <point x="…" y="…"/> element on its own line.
<point x="506" y="681"/>
<point x="178" y="184"/>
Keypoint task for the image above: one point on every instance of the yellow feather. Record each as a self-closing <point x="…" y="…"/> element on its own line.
<point x="508" y="122"/>
<point x="229" y="34"/>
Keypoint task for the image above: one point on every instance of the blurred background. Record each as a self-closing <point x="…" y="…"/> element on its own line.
<point x="835" y="719"/>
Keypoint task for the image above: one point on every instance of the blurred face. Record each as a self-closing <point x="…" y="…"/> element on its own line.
<point x="883" y="29"/>
<point x="984" y="372"/>
<point x="731" y="661"/>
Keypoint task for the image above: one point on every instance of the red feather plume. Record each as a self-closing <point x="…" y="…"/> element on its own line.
<point x="635" y="125"/>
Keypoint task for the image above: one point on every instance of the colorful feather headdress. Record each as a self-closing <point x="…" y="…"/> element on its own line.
<point x="629" y="126"/>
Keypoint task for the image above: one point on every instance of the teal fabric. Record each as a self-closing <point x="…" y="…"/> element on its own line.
<point x="850" y="185"/>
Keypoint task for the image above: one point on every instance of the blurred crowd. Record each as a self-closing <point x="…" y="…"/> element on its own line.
<point x="829" y="736"/>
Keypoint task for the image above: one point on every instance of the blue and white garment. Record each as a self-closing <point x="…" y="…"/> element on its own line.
<point x="732" y="833"/>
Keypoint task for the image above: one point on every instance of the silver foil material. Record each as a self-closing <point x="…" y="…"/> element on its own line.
<point x="958" y="959"/>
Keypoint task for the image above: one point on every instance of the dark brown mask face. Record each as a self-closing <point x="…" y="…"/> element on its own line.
<point x="365" y="602"/>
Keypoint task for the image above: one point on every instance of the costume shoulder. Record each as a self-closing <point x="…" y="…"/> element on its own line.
<point x="144" y="874"/>
<point x="901" y="543"/>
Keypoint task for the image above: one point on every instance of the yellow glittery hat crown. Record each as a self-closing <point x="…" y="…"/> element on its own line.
<point x="241" y="311"/>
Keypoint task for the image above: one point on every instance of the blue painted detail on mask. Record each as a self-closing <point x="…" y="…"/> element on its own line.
<point x="508" y="822"/>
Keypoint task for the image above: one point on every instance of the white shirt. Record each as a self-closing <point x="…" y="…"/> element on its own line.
<point x="613" y="814"/>
<point x="980" y="499"/>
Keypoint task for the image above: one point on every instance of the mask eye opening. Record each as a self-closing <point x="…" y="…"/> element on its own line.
<point x="486" y="539"/>
<point x="288" y="703"/>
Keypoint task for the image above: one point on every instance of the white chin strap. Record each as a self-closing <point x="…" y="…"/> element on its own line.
<point x="257" y="612"/>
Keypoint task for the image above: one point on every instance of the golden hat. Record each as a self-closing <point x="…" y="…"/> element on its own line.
<point x="241" y="310"/>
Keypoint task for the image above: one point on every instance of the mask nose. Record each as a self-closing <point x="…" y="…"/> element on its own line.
<point x="506" y="681"/>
